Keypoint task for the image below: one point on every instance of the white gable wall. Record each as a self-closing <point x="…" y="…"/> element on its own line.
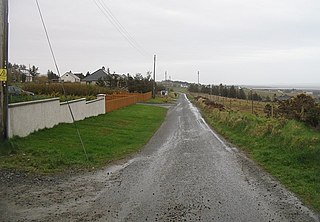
<point x="69" y="77"/>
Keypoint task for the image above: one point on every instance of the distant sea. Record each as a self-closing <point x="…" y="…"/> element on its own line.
<point x="286" y="86"/>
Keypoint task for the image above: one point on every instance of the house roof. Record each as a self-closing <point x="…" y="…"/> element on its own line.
<point x="283" y="97"/>
<point x="70" y="74"/>
<point x="80" y="75"/>
<point x="100" y="73"/>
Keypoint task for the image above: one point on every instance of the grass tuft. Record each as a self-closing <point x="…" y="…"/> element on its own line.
<point x="287" y="149"/>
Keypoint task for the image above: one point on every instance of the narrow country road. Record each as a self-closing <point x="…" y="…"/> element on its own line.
<point x="185" y="173"/>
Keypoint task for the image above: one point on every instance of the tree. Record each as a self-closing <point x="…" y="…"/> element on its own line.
<point x="242" y="94"/>
<point x="34" y="71"/>
<point x="268" y="99"/>
<point x="140" y="84"/>
<point x="268" y="110"/>
<point x="51" y="75"/>
<point x="205" y="89"/>
<point x="302" y="108"/>
<point x="312" y="116"/>
<point x="193" y="87"/>
<point x="232" y="92"/>
<point x="23" y="77"/>
<point x="215" y="90"/>
<point x="101" y="82"/>
<point x="254" y="96"/>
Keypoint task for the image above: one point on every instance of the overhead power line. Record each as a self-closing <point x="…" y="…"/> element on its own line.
<point x="122" y="27"/>
<point x="107" y="13"/>
<point x="58" y="71"/>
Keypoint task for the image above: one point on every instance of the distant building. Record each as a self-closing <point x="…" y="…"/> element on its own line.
<point x="94" y="77"/>
<point x="80" y="75"/>
<point x="167" y="83"/>
<point x="19" y="75"/>
<point x="29" y="77"/>
<point x="164" y="92"/>
<point x="184" y="86"/>
<point x="283" y="97"/>
<point x="69" y="77"/>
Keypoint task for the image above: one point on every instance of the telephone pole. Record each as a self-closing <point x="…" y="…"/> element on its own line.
<point x="199" y="81"/>
<point x="154" y="77"/>
<point x="3" y="69"/>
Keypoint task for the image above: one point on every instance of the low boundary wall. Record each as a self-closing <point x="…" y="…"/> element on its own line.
<point x="117" y="101"/>
<point x="27" y="117"/>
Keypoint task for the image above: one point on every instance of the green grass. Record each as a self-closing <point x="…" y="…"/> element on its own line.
<point x="106" y="138"/>
<point x="287" y="149"/>
<point x="25" y="98"/>
<point x="159" y="100"/>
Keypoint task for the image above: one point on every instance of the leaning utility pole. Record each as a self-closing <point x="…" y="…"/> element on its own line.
<point x="3" y="69"/>
<point x="154" y="77"/>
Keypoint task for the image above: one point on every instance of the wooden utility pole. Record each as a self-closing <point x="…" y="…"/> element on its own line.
<point x="3" y="69"/>
<point x="251" y="102"/>
<point x="154" y="77"/>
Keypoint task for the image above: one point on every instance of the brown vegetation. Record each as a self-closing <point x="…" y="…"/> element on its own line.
<point x="75" y="89"/>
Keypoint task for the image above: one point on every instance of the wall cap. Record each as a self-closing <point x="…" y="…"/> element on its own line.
<point x="33" y="102"/>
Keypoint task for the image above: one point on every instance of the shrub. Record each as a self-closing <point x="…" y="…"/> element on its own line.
<point x="302" y="108"/>
<point x="74" y="89"/>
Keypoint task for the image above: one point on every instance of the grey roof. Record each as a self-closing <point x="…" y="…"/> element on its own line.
<point x="283" y="97"/>
<point x="100" y="73"/>
<point x="80" y="75"/>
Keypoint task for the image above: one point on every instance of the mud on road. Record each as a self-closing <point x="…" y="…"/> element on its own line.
<point x="185" y="173"/>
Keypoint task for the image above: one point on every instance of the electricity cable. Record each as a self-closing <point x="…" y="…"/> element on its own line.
<point x="107" y="9"/>
<point x="58" y="71"/>
<point x="106" y="14"/>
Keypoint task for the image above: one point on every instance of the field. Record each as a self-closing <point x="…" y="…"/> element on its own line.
<point x="163" y="99"/>
<point x="246" y="106"/>
<point x="106" y="138"/>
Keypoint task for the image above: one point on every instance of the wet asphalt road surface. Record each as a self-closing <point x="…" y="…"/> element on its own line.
<point x="185" y="173"/>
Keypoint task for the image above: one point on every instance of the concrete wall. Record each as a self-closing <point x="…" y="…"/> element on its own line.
<point x="27" y="117"/>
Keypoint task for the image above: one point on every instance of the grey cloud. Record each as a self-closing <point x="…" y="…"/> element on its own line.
<point x="248" y="41"/>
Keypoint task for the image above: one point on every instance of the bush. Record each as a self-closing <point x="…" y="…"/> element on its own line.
<point x="74" y="89"/>
<point x="302" y="108"/>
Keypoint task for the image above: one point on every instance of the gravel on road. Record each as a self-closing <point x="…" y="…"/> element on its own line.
<point x="186" y="172"/>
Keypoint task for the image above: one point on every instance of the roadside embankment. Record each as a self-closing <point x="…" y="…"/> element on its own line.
<point x="287" y="149"/>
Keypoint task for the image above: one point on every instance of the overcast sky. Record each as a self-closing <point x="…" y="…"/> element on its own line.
<point x="229" y="41"/>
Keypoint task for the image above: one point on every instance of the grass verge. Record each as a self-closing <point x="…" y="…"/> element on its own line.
<point x="106" y="138"/>
<point x="159" y="100"/>
<point x="287" y="149"/>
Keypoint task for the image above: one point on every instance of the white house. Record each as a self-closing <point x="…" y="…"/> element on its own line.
<point x="69" y="77"/>
<point x="29" y="77"/>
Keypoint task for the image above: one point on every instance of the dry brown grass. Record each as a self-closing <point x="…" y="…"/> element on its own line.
<point x="237" y="104"/>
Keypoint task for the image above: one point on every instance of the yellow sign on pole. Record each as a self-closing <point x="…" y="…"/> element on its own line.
<point x="3" y="75"/>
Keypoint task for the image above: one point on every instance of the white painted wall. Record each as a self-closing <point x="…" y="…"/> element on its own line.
<point x="69" y="77"/>
<point x="28" y="117"/>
